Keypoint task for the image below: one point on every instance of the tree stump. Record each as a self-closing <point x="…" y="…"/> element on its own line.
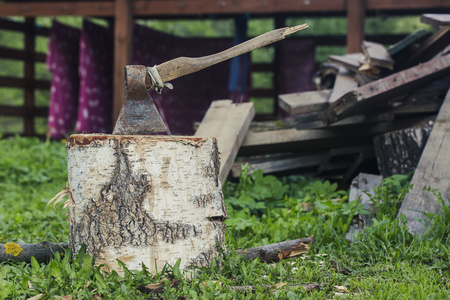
<point x="145" y="199"/>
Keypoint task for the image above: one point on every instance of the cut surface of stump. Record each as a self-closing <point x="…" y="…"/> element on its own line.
<point x="145" y="199"/>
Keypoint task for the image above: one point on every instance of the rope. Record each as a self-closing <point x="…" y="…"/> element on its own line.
<point x="157" y="83"/>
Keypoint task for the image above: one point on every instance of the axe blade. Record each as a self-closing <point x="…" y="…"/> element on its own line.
<point x="139" y="114"/>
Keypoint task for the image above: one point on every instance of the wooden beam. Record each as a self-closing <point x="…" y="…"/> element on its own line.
<point x="21" y="83"/>
<point x="406" y="4"/>
<point x="20" y="54"/>
<point x="436" y="19"/>
<point x="123" y="38"/>
<point x="356" y="13"/>
<point x="29" y="41"/>
<point x="306" y="102"/>
<point x="22" y="27"/>
<point x="170" y="7"/>
<point x="432" y="172"/>
<point x="291" y="140"/>
<point x="34" y="9"/>
<point x="229" y="123"/>
<point x="407" y="42"/>
<point x="205" y="7"/>
<point x="21" y="111"/>
<point x="372" y="94"/>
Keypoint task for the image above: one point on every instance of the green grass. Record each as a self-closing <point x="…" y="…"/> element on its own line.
<point x="386" y="262"/>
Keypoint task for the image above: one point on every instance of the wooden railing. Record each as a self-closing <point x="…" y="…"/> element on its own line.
<point x="28" y="111"/>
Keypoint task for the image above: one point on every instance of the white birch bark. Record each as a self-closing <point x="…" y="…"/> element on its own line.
<point x="145" y="199"/>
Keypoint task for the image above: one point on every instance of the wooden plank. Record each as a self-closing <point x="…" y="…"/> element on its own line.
<point x="427" y="99"/>
<point x="148" y="8"/>
<point x="405" y="4"/>
<point x="229" y="123"/>
<point x="291" y="140"/>
<point x="432" y="171"/>
<point x="276" y="164"/>
<point x="436" y="19"/>
<point x="408" y="41"/>
<point x="377" y="55"/>
<point x="21" y="111"/>
<point x="306" y="102"/>
<point x="349" y="61"/>
<point x="372" y="94"/>
<point x="19" y="54"/>
<point x="20" y="26"/>
<point x="34" y="9"/>
<point x="361" y="186"/>
<point x="431" y="47"/>
<point x="123" y="37"/>
<point x="21" y="83"/>
<point x="356" y="12"/>
<point x="199" y="7"/>
<point x="343" y="84"/>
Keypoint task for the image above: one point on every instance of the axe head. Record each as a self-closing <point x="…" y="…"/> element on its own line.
<point x="139" y="114"/>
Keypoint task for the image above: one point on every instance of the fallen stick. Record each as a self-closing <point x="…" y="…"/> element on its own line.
<point x="278" y="251"/>
<point x="306" y="286"/>
<point x="44" y="251"/>
<point x="41" y="251"/>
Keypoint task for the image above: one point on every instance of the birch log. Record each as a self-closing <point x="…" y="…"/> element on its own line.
<point x="145" y="199"/>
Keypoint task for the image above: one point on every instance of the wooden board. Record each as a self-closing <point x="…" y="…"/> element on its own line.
<point x="344" y="83"/>
<point x="361" y="186"/>
<point x="432" y="171"/>
<point x="349" y="61"/>
<point x="306" y="102"/>
<point x="205" y="7"/>
<point x="291" y="140"/>
<point x="279" y="164"/>
<point x="377" y="55"/>
<point x="366" y="97"/>
<point x="407" y="42"/>
<point x="229" y="123"/>
<point x="430" y="47"/>
<point x="436" y="19"/>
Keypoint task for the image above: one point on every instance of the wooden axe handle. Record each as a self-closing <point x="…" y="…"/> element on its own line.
<point x="181" y="66"/>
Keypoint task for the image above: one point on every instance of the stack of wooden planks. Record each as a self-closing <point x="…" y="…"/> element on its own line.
<point x="387" y="106"/>
<point x="376" y="118"/>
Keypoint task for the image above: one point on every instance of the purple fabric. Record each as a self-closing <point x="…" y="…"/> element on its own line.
<point x="96" y="75"/>
<point x="297" y="67"/>
<point x="62" y="61"/>
<point x="192" y="94"/>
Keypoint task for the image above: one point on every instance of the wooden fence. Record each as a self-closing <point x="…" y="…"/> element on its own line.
<point x="28" y="112"/>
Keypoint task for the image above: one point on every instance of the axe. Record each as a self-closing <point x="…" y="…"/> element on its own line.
<point x="139" y="114"/>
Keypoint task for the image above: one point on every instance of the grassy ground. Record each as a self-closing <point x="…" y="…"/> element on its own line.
<point x="386" y="262"/>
